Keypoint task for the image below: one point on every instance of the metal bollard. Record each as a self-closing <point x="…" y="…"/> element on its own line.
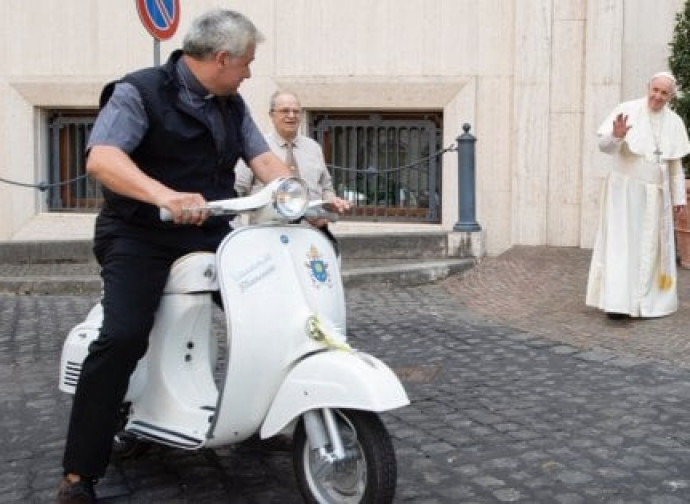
<point x="466" y="185"/>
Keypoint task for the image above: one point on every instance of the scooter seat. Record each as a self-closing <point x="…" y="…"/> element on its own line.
<point x="195" y="272"/>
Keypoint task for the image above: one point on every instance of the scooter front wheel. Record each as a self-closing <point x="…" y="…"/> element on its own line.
<point x="368" y="473"/>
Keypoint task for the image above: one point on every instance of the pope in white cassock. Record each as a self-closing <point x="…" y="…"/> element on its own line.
<point x="633" y="269"/>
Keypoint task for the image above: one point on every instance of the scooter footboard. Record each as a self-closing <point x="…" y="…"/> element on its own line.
<point x="334" y="379"/>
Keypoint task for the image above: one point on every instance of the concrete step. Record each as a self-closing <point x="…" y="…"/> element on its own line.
<point x="412" y="272"/>
<point x="363" y="246"/>
<point x="68" y="267"/>
<point x="46" y="252"/>
<point x="83" y="278"/>
<point x="389" y="246"/>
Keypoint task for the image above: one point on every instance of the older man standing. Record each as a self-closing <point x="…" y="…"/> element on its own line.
<point x="633" y="269"/>
<point x="300" y="152"/>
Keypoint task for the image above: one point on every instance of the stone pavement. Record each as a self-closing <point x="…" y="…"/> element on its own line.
<point x="519" y="394"/>
<point x="542" y="290"/>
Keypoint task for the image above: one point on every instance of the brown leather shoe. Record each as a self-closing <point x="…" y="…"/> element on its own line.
<point x="80" y="492"/>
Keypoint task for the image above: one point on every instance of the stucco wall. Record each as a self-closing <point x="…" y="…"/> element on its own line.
<point x="533" y="77"/>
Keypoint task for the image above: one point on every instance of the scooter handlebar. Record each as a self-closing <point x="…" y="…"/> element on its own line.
<point x="316" y="210"/>
<point x="253" y="202"/>
<point x="311" y="213"/>
<point x="321" y="214"/>
<point x="213" y="210"/>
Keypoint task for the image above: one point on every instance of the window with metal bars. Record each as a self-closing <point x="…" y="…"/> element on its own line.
<point x="388" y="164"/>
<point x="70" y="189"/>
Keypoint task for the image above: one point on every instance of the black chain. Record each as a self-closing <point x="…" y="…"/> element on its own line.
<point x="43" y="186"/>
<point x="414" y="165"/>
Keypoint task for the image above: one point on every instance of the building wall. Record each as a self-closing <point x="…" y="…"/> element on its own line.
<point x="534" y="78"/>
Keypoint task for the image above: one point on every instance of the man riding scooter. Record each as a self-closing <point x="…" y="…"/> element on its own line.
<point x="165" y="137"/>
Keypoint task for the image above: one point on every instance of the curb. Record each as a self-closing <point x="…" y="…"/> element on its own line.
<point x="42" y="252"/>
<point x="52" y="286"/>
<point x="408" y="274"/>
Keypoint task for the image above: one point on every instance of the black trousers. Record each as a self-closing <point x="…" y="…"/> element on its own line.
<point x="134" y="276"/>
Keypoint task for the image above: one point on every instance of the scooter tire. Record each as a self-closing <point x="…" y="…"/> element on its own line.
<point x="368" y="476"/>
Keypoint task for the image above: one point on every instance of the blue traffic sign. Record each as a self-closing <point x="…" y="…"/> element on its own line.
<point x="159" y="17"/>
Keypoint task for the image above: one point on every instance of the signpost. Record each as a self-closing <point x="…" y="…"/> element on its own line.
<point x="160" y="18"/>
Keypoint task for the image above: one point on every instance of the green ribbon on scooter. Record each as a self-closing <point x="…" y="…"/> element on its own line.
<point x="319" y="333"/>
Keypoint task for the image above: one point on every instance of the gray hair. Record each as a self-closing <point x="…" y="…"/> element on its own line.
<point x="669" y="76"/>
<point x="220" y="30"/>
<point x="276" y="94"/>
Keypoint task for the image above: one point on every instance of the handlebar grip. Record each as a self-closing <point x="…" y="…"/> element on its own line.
<point x="165" y="215"/>
<point x="316" y="211"/>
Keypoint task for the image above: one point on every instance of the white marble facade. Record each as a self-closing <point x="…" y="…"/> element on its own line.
<point x="534" y="78"/>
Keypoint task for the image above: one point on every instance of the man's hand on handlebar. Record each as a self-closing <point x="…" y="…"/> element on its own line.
<point x="338" y="205"/>
<point x="334" y="205"/>
<point x="187" y="208"/>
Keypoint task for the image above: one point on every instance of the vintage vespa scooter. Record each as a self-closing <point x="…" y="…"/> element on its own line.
<point x="283" y="365"/>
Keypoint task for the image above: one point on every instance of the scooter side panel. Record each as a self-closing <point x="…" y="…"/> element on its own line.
<point x="273" y="279"/>
<point x="76" y="348"/>
<point x="179" y="397"/>
<point x="74" y="351"/>
<point x="335" y="379"/>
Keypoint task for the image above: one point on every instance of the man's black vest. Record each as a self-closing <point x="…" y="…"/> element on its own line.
<point x="178" y="148"/>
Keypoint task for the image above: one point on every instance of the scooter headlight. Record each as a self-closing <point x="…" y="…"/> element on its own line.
<point x="291" y="198"/>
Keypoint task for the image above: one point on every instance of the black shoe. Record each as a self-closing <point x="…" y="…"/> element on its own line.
<point x="617" y="316"/>
<point x="80" y="492"/>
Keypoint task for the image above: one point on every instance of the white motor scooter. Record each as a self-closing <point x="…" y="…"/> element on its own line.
<point x="285" y="366"/>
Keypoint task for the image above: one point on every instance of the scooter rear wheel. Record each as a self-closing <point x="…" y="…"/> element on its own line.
<point x="367" y="475"/>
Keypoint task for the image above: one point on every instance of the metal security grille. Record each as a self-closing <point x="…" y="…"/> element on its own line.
<point x="387" y="165"/>
<point x="70" y="189"/>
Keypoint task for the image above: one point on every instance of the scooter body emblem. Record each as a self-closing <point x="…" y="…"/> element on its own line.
<point x="318" y="268"/>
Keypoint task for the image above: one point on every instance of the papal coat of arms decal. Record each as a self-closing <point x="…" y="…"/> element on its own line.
<point x="318" y="268"/>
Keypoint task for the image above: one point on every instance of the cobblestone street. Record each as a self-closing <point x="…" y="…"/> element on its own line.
<point x="519" y="394"/>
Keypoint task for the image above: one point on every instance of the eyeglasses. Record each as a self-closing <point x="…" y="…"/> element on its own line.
<point x="288" y="111"/>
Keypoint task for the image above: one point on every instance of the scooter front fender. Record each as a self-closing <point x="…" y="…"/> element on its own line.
<point x="334" y="379"/>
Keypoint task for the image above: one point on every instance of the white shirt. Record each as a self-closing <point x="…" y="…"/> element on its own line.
<point x="310" y="162"/>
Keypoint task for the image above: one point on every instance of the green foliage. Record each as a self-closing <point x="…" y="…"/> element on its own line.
<point x="679" y="64"/>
